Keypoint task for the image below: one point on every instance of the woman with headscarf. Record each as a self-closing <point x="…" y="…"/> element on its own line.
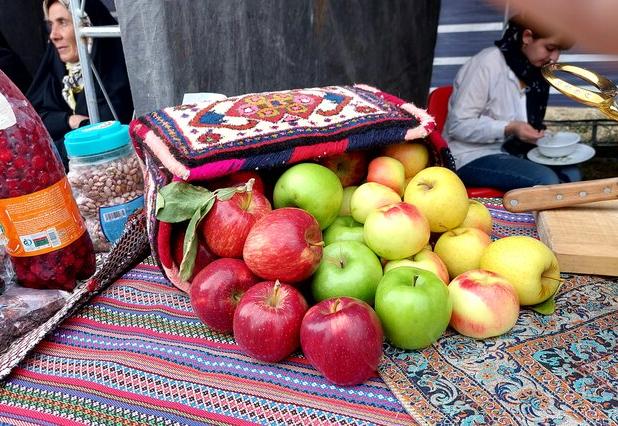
<point x="57" y="90"/>
<point x="500" y="95"/>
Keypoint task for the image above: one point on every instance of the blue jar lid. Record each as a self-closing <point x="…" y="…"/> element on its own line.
<point x="96" y="138"/>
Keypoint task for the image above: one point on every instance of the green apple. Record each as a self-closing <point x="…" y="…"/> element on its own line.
<point x="526" y="263"/>
<point x="414" y="307"/>
<point x="461" y="249"/>
<point x="440" y="195"/>
<point x="346" y="205"/>
<point x="347" y="268"/>
<point x="344" y="228"/>
<point x="311" y="187"/>
<point x="396" y="231"/>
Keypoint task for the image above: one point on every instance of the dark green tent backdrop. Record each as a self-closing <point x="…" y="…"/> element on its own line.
<point x="240" y="46"/>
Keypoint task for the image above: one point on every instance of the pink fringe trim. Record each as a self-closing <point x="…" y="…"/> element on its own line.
<point x="427" y="122"/>
<point x="162" y="152"/>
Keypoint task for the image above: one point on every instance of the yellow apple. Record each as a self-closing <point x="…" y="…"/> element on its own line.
<point x="396" y="231"/>
<point x="387" y="171"/>
<point x="369" y="197"/>
<point x="526" y="263"/>
<point x="461" y="249"/>
<point x="413" y="156"/>
<point x="440" y="195"/>
<point x="478" y="217"/>
<point x="346" y="209"/>
<point x="485" y="304"/>
<point x="424" y="259"/>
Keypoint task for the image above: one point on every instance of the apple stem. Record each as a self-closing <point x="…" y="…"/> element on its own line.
<point x="552" y="278"/>
<point x="249" y="185"/>
<point x="274" y="298"/>
<point x="414" y="281"/>
<point x="321" y="243"/>
<point x="335" y="306"/>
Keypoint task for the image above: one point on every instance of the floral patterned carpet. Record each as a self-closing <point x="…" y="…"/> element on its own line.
<point x="551" y="370"/>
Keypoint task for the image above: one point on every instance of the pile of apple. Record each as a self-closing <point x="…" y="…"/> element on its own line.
<point x="353" y="236"/>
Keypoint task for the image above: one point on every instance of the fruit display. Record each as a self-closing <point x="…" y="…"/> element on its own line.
<point x="350" y="252"/>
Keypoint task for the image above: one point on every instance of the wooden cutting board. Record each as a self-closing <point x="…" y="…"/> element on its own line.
<point x="578" y="221"/>
<point x="583" y="237"/>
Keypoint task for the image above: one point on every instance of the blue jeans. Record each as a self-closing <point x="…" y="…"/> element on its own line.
<point x="506" y="172"/>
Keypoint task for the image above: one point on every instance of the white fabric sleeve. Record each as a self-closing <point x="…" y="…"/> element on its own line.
<point x="468" y="123"/>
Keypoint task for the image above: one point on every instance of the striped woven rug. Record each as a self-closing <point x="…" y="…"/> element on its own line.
<point x="138" y="355"/>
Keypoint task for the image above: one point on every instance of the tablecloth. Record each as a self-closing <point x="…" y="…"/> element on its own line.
<point x="136" y="354"/>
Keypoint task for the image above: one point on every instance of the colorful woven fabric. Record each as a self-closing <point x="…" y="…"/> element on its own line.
<point x="138" y="355"/>
<point x="551" y="370"/>
<point x="261" y="131"/>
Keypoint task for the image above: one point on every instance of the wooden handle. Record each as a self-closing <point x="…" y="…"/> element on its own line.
<point x="545" y="197"/>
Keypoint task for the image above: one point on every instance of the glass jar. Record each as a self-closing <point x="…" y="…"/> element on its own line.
<point x="106" y="178"/>
<point x="46" y="238"/>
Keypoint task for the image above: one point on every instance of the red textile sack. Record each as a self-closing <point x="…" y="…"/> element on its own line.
<point x="262" y="131"/>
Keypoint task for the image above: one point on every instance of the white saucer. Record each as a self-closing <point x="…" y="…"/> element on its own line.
<point x="582" y="153"/>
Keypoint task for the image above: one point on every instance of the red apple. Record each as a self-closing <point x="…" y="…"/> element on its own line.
<point x="350" y="167"/>
<point x="285" y="245"/>
<point x="217" y="289"/>
<point x="236" y="179"/>
<point x="227" y="224"/>
<point x="342" y="338"/>
<point x="485" y="304"/>
<point x="267" y="320"/>
<point x="387" y="171"/>
<point x="203" y="257"/>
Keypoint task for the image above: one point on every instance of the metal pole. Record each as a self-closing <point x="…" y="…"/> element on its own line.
<point x="84" y="59"/>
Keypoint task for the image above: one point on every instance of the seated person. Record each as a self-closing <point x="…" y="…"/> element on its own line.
<point x="500" y="94"/>
<point x="57" y="91"/>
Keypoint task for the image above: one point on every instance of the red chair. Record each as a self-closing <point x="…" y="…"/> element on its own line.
<point x="437" y="106"/>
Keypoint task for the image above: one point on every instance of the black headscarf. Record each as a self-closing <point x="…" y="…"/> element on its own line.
<point x="538" y="89"/>
<point x="107" y="56"/>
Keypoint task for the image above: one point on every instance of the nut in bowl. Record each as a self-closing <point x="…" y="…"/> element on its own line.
<point x="558" y="144"/>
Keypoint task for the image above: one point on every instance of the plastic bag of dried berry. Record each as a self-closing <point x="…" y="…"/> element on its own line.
<point x="47" y="240"/>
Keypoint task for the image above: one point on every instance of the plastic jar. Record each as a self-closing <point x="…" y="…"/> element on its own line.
<point x="46" y="238"/>
<point x="106" y="178"/>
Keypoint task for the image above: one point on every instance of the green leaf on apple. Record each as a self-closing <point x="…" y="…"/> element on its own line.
<point x="178" y="201"/>
<point x="547" y="307"/>
<point x="189" y="251"/>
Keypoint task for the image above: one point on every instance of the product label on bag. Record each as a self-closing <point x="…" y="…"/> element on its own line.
<point x="7" y="116"/>
<point x="114" y="218"/>
<point x="42" y="221"/>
